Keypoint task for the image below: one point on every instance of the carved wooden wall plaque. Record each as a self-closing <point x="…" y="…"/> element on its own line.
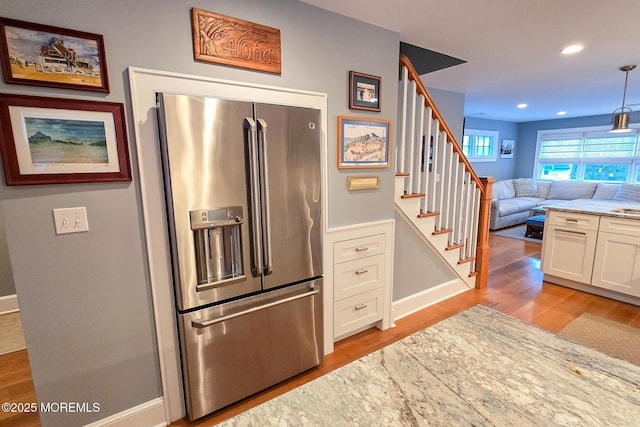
<point x="230" y="41"/>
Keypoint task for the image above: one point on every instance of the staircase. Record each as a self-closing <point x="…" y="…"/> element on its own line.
<point x="437" y="191"/>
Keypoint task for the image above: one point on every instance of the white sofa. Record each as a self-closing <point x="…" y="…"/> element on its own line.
<point x="513" y="199"/>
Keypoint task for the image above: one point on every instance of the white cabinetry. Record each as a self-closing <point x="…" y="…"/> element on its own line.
<point x="569" y="245"/>
<point x="358" y="282"/>
<point x="617" y="258"/>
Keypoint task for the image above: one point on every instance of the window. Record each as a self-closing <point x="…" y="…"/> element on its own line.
<point x="588" y="154"/>
<point x="480" y="145"/>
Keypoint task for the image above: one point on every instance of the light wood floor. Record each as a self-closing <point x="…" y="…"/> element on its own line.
<point x="515" y="288"/>
<point x="16" y="387"/>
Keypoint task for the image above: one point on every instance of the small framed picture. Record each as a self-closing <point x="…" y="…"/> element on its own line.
<point x="363" y="143"/>
<point x="56" y="141"/>
<point x="364" y="91"/>
<point x="41" y="55"/>
<point x="506" y="148"/>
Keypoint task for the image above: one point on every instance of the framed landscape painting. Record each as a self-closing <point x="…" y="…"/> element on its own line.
<point x="41" y="55"/>
<point x="363" y="143"/>
<point x="53" y="141"/>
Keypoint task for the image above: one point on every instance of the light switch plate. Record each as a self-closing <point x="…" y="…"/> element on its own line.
<point x="71" y="220"/>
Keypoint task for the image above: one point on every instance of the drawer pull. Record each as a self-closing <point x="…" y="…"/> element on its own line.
<point x="362" y="271"/>
<point x="362" y="249"/>
<point x="360" y="306"/>
<point x="571" y="220"/>
<point x="581" y="233"/>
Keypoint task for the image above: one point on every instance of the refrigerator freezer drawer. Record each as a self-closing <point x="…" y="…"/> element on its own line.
<point x="236" y="349"/>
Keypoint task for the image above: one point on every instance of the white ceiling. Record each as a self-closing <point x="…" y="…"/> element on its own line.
<point x="512" y="49"/>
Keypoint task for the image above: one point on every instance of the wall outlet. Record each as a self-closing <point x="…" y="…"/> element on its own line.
<point x="71" y="220"/>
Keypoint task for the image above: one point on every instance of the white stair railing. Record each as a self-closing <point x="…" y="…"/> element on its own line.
<point x="433" y="167"/>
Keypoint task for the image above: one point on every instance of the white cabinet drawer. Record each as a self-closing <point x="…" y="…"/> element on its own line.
<point x="355" y="312"/>
<point x="628" y="227"/>
<point x="348" y="250"/>
<point x="573" y="220"/>
<point x="354" y="277"/>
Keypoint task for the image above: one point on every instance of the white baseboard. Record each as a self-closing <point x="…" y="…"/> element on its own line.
<point x="151" y="414"/>
<point x="424" y="299"/>
<point x="9" y="304"/>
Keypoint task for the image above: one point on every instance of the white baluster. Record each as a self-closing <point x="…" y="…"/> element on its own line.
<point x="417" y="167"/>
<point x="403" y="121"/>
<point x="442" y="172"/>
<point x="412" y="135"/>
<point x="426" y="158"/>
<point x="466" y="213"/>
<point x="433" y="193"/>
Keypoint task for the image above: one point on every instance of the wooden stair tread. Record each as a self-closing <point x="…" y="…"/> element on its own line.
<point x="442" y="231"/>
<point x="412" y="196"/>
<point x="454" y="246"/>
<point x="473" y="273"/>
<point x="463" y="260"/>
<point x="402" y="173"/>
<point x="428" y="214"/>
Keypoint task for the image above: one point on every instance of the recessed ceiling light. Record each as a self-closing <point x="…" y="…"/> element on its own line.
<point x="561" y="113"/>
<point x="574" y="48"/>
<point x="523" y="105"/>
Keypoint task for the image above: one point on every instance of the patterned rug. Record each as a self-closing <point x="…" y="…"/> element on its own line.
<point x="11" y="335"/>
<point x="479" y="367"/>
<point x="614" y="338"/>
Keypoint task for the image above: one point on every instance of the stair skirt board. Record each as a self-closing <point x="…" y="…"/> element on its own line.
<point x="428" y="297"/>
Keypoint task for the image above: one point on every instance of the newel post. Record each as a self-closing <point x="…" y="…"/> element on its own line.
<point x="482" y="254"/>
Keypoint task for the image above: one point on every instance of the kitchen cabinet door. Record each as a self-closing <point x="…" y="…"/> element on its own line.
<point x="617" y="263"/>
<point x="568" y="252"/>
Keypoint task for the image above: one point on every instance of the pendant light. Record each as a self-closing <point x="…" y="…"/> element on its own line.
<point x="621" y="115"/>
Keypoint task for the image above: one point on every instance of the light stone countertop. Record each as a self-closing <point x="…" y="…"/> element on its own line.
<point x="598" y="207"/>
<point x="478" y="368"/>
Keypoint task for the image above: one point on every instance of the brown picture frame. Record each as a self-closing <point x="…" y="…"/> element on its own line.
<point x="224" y="40"/>
<point x="58" y="141"/>
<point x="364" y="91"/>
<point x="42" y="55"/>
<point x="363" y="143"/>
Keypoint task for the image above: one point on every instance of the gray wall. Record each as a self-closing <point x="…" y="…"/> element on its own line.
<point x="416" y="267"/>
<point x="7" y="287"/>
<point x="85" y="298"/>
<point x="528" y="137"/>
<point x="451" y="106"/>
<point x="501" y="168"/>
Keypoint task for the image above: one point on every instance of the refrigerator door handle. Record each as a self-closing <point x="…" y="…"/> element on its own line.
<point x="251" y="136"/>
<point x="205" y="323"/>
<point x="266" y="205"/>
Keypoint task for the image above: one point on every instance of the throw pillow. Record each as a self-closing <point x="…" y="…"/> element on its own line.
<point x="605" y="191"/>
<point x="525" y="187"/>
<point x="543" y="188"/>
<point x="500" y="191"/>
<point x="570" y="190"/>
<point x="628" y="193"/>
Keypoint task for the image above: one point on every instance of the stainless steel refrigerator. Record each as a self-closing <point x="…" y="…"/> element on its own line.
<point x="242" y="186"/>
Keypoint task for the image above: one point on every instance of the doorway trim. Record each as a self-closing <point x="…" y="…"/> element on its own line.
<point x="144" y="84"/>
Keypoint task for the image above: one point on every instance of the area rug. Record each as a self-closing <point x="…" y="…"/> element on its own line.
<point x="11" y="335"/>
<point x="516" y="233"/>
<point x="614" y="338"/>
<point x="479" y="368"/>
